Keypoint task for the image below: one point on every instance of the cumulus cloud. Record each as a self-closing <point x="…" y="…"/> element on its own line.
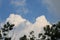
<point x="20" y="6"/>
<point x="24" y="26"/>
<point x="53" y="6"/>
<point x="15" y="19"/>
<point x="40" y="22"/>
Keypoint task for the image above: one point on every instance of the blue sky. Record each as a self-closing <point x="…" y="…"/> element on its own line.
<point x="30" y="9"/>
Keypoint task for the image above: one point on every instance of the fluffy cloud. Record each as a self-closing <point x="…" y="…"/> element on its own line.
<point x="24" y="26"/>
<point x="15" y="19"/>
<point x="53" y="6"/>
<point x="41" y="21"/>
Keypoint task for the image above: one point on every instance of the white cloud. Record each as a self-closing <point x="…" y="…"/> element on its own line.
<point x="41" y="21"/>
<point x="1" y="24"/>
<point x="15" y="19"/>
<point x="20" y="6"/>
<point x="24" y="26"/>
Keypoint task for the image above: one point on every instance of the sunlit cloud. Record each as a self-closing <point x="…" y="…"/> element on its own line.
<point x="23" y="26"/>
<point x="15" y="19"/>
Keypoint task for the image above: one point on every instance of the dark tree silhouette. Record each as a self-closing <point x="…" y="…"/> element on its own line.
<point x="53" y="31"/>
<point x="32" y="34"/>
<point x="23" y="38"/>
<point x="5" y="30"/>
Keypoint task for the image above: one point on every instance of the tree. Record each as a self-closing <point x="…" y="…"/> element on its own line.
<point x="23" y="38"/>
<point x="53" y="31"/>
<point x="32" y="34"/>
<point x="5" y="30"/>
<point x="50" y="33"/>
